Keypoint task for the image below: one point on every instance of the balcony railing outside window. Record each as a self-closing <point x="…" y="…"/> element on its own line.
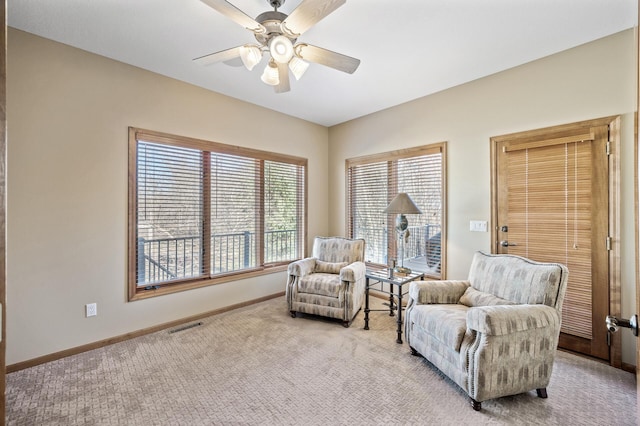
<point x="422" y="250"/>
<point x="167" y="259"/>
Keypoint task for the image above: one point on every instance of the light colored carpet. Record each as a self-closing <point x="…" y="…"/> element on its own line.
<point x="257" y="365"/>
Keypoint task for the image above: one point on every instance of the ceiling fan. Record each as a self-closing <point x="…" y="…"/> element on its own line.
<point x="277" y="34"/>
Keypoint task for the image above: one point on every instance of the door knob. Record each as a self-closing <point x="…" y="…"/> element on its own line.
<point x="505" y="243"/>
<point x="614" y="323"/>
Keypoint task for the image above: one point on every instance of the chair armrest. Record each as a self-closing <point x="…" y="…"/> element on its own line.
<point x="302" y="267"/>
<point x="437" y="292"/>
<point x="353" y="272"/>
<point x="505" y="319"/>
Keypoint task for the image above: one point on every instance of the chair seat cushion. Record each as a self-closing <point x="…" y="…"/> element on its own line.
<point x="447" y="323"/>
<point x="322" y="284"/>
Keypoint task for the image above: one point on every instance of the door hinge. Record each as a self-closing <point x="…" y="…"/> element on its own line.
<point x="608" y="148"/>
<point x="608" y="243"/>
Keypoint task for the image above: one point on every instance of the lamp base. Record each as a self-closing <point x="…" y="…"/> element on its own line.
<point x="402" y="270"/>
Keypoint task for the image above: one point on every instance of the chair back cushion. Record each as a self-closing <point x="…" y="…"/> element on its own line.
<point x="338" y="249"/>
<point x="518" y="279"/>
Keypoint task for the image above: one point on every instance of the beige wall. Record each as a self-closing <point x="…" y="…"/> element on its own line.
<point x="591" y="81"/>
<point x="68" y="114"/>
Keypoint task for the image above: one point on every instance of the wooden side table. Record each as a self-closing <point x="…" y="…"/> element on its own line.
<point x="380" y="276"/>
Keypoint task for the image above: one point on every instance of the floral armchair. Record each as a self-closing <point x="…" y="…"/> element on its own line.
<point x="494" y="334"/>
<point x="331" y="282"/>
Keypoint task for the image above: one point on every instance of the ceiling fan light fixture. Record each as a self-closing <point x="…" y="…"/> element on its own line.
<point x="250" y="55"/>
<point x="270" y="74"/>
<point x="277" y="32"/>
<point x="298" y="67"/>
<point x="281" y="49"/>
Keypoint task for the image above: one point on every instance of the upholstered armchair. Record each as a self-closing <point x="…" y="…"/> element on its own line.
<point x="494" y="334"/>
<point x="331" y="282"/>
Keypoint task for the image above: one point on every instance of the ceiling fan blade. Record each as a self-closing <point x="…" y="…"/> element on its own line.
<point x="222" y="56"/>
<point x="283" y="76"/>
<point x="235" y="62"/>
<point x="327" y="58"/>
<point x="235" y="14"/>
<point x="308" y="13"/>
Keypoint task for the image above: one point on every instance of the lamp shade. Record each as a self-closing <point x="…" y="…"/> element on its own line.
<point x="402" y="204"/>
<point x="250" y="55"/>
<point x="298" y="67"/>
<point x="270" y="74"/>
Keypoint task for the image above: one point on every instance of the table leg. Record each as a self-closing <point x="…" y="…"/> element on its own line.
<point x="366" y="304"/>
<point x="399" y="340"/>
<point x="391" y="305"/>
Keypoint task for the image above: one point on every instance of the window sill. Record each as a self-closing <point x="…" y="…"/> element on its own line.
<point x="140" y="293"/>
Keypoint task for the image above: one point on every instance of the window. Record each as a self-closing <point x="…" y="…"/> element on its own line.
<point x="373" y="181"/>
<point x="201" y="212"/>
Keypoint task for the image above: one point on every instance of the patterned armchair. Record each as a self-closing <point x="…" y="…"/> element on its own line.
<point x="494" y="334"/>
<point x="331" y="282"/>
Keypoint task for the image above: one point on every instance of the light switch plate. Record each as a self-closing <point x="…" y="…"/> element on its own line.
<point x="478" y="225"/>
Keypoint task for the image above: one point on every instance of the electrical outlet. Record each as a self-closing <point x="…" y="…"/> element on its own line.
<point x="91" y="309"/>
<point x="478" y="225"/>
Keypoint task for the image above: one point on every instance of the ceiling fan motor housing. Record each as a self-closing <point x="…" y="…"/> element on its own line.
<point x="271" y="21"/>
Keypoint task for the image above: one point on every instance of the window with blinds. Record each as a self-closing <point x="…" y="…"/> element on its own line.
<point x="235" y="212"/>
<point x="373" y="181"/>
<point x="283" y="213"/>
<point x="202" y="212"/>
<point x="169" y="213"/>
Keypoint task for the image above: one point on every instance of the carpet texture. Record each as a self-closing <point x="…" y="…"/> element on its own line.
<point x="257" y="365"/>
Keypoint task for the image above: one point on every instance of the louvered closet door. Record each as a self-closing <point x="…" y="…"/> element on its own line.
<point x="553" y="207"/>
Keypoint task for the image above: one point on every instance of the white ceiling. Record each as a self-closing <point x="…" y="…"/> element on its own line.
<point x="408" y="48"/>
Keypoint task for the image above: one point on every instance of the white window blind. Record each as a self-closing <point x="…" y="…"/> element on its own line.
<point x="373" y="181"/>
<point x="284" y="189"/>
<point x="550" y="208"/>
<point x="235" y="207"/>
<point x="169" y="240"/>
<point x="421" y="178"/>
<point x="368" y="197"/>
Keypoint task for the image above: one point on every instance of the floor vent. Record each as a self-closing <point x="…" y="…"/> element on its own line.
<point x="186" y="327"/>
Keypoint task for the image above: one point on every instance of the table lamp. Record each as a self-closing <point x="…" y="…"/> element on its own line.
<point x="402" y="204"/>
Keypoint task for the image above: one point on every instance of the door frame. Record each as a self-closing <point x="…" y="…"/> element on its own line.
<point x="3" y="209"/>
<point x="636" y="185"/>
<point x="615" y="347"/>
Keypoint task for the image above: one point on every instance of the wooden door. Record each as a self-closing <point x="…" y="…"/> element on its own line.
<point x="551" y="204"/>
